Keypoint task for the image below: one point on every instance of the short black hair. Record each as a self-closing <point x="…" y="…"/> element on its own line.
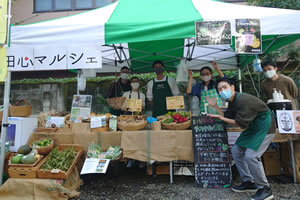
<point x="224" y="79"/>
<point x="268" y="62"/>
<point x="206" y="67"/>
<point x="158" y="62"/>
<point x="125" y="67"/>
<point x="134" y="77"/>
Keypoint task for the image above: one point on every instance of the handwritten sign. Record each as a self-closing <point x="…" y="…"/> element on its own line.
<point x="211" y="155"/>
<point x="134" y="105"/>
<point x="176" y="102"/>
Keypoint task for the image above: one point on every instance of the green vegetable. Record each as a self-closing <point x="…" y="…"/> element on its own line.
<point x="168" y="121"/>
<point x="94" y="151"/>
<point x="60" y="159"/>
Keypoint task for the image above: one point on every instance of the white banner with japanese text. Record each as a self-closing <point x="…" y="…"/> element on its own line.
<point x="54" y="58"/>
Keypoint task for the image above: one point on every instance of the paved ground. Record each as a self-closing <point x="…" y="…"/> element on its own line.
<point x="136" y="184"/>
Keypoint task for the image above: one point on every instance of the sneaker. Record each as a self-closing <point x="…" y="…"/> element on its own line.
<point x="130" y="163"/>
<point x="263" y="194"/>
<point x="142" y="164"/>
<point x="245" y="187"/>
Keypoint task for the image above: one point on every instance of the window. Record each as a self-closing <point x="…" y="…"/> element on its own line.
<point x="67" y="5"/>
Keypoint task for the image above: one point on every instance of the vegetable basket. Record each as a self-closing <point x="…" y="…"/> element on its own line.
<point x="59" y="174"/>
<point x="124" y="126"/>
<point x="116" y="102"/>
<point x="177" y="126"/>
<point x="43" y="150"/>
<point x="17" y="110"/>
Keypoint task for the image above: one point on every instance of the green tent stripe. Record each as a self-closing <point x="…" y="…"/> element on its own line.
<point x="145" y="20"/>
<point x="144" y="53"/>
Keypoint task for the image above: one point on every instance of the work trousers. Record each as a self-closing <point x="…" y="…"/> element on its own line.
<point x="248" y="162"/>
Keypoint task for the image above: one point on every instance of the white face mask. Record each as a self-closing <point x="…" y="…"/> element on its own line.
<point x="270" y="73"/>
<point x="135" y="85"/>
<point x="206" y="78"/>
<point x="124" y="76"/>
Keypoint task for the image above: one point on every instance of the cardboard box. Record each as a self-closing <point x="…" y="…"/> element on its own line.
<point x="271" y="163"/>
<point x="160" y="169"/>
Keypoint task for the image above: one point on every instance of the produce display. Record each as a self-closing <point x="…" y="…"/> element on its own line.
<point x="175" y="117"/>
<point x="176" y="120"/>
<point x="25" y="155"/>
<point x="42" y="143"/>
<point x="113" y="152"/>
<point x="132" y="122"/>
<point x="94" y="151"/>
<point x="61" y="160"/>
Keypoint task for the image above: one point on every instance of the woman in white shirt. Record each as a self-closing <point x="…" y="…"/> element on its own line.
<point x="134" y="93"/>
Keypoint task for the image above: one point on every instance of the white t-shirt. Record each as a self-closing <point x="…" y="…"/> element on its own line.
<point x="134" y="95"/>
<point x="172" y="84"/>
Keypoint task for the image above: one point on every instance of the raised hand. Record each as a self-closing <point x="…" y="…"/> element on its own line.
<point x="211" y="101"/>
<point x="190" y="74"/>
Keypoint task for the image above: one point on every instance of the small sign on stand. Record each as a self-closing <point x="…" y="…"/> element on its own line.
<point x="175" y="102"/>
<point x="134" y="105"/>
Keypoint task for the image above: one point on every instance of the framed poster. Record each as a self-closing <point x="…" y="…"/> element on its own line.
<point x="248" y="36"/>
<point x="213" y="32"/>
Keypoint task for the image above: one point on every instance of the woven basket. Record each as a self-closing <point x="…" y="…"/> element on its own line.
<point x="175" y="126"/>
<point x="20" y="111"/>
<point x="116" y="102"/>
<point x="131" y="126"/>
<point x="44" y="150"/>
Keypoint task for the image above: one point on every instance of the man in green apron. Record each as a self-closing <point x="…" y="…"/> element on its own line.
<point x="159" y="88"/>
<point x="119" y="87"/>
<point x="206" y="88"/>
<point x="253" y="115"/>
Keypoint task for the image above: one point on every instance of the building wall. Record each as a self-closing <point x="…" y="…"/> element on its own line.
<point x="22" y="13"/>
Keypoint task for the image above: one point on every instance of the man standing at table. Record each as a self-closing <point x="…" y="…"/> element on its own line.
<point x="159" y="88"/>
<point x="281" y="82"/>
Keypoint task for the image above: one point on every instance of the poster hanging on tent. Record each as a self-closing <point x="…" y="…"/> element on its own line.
<point x="213" y="32"/>
<point x="248" y="36"/>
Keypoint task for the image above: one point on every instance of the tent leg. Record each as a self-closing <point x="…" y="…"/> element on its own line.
<point x="240" y="79"/>
<point x="4" y="123"/>
<point x="78" y="75"/>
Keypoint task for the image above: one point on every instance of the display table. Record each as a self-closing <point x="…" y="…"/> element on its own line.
<point x="145" y="145"/>
<point x="28" y="189"/>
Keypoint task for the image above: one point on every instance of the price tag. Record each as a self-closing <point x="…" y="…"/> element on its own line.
<point x="134" y="105"/>
<point x="55" y="171"/>
<point x="176" y="102"/>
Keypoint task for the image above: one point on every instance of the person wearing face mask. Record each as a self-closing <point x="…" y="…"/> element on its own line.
<point x="253" y="115"/>
<point x="159" y="88"/>
<point x="134" y="93"/>
<point x="119" y="87"/>
<point x="207" y="87"/>
<point x="281" y="82"/>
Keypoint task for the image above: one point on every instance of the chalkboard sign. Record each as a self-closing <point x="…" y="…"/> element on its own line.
<point x="211" y="155"/>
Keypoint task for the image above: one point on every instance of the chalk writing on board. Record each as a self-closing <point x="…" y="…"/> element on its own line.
<point x="211" y="156"/>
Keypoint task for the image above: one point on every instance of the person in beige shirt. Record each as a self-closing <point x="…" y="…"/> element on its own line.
<point x="281" y="82"/>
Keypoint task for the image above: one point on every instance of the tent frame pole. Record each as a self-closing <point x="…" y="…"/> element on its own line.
<point x="5" y="101"/>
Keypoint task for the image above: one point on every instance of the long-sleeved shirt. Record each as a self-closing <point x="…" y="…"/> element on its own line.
<point x="285" y="84"/>
<point x="244" y="109"/>
<point x="172" y="84"/>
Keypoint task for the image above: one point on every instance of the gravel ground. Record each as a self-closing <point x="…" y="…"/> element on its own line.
<point x="134" y="183"/>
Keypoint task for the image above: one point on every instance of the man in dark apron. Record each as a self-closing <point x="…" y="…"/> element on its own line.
<point x="119" y="87"/>
<point x="159" y="88"/>
<point x="253" y="115"/>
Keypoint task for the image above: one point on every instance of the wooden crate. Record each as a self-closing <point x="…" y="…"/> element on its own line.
<point x="24" y="172"/>
<point x="271" y="163"/>
<point x="23" y="165"/>
<point x="160" y="169"/>
<point x="58" y="174"/>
